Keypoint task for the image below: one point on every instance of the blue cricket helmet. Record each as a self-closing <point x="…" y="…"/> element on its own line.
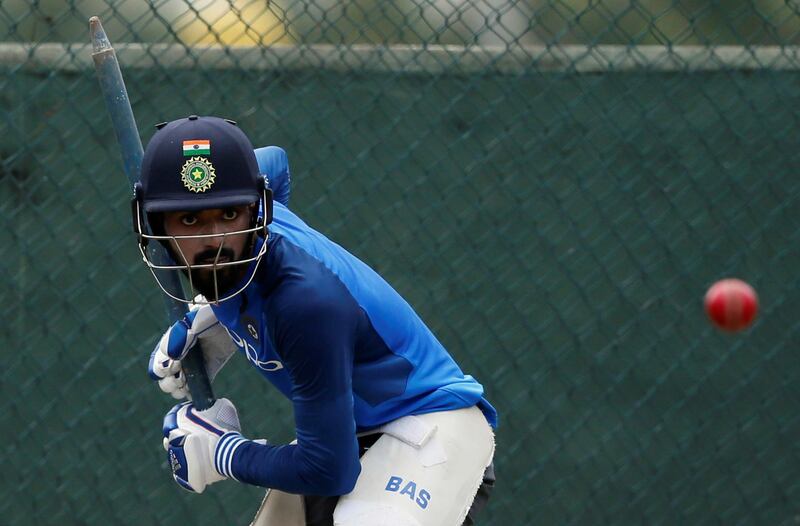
<point x="198" y="163"/>
<point x="192" y="164"/>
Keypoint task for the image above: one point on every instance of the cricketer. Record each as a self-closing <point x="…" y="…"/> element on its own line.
<point x="389" y="430"/>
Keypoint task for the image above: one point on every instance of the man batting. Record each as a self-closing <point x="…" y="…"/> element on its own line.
<point x="389" y="430"/>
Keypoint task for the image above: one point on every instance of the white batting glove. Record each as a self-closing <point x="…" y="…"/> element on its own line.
<point x="200" y="444"/>
<point x="199" y="324"/>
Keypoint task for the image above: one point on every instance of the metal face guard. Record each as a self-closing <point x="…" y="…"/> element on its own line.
<point x="259" y="229"/>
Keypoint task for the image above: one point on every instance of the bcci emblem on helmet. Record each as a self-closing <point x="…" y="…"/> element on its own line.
<point x="198" y="174"/>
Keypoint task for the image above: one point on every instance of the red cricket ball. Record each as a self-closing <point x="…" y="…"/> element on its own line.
<point x="731" y="304"/>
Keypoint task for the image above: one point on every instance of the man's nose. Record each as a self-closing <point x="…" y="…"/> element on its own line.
<point x="214" y="228"/>
<point x="215" y="238"/>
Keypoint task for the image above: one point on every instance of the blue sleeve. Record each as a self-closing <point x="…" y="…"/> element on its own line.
<point x="314" y="334"/>
<point x="274" y="163"/>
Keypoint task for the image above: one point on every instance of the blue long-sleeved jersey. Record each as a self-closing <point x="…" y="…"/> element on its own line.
<point x="331" y="335"/>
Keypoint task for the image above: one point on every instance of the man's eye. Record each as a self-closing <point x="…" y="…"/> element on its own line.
<point x="230" y="215"/>
<point x="188" y="220"/>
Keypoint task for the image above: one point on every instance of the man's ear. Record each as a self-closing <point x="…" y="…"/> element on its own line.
<point x="156" y="220"/>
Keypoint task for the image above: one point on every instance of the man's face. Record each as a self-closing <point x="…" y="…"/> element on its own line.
<point x="211" y="250"/>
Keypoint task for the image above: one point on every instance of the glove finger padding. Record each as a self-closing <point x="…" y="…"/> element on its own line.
<point x="198" y="324"/>
<point x="161" y="365"/>
<point x="175" y="386"/>
<point x="187" y="459"/>
<point x="167" y="372"/>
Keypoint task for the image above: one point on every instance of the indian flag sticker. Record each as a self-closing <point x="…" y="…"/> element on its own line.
<point x="198" y="174"/>
<point x="196" y="147"/>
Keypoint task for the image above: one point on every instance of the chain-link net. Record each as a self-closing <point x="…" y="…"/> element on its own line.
<point x="552" y="184"/>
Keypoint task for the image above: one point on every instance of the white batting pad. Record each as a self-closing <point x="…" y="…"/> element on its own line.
<point x="424" y="471"/>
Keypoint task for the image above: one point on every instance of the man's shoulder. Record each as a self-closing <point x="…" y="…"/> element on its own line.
<point x="297" y="267"/>
<point x="307" y="306"/>
<point x="305" y="286"/>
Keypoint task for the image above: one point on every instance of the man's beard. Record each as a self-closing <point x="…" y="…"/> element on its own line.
<point x="226" y="277"/>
